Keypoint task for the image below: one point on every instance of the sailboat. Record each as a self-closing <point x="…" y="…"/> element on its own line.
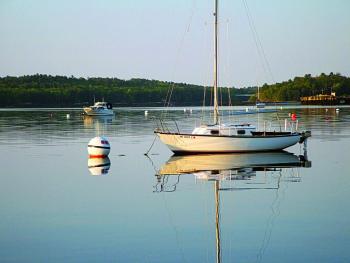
<point x="224" y="138"/>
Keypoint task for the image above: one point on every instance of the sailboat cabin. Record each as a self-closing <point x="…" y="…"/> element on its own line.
<point x="225" y="130"/>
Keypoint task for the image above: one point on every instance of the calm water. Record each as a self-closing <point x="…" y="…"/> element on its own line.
<point x="54" y="208"/>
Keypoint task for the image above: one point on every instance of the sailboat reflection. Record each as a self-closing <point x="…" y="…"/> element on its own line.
<point x="229" y="167"/>
<point x="99" y="166"/>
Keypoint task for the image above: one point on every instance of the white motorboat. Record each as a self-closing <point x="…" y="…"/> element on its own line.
<point x="224" y="138"/>
<point x="100" y="108"/>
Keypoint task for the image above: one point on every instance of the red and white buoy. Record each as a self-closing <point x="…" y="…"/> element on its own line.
<point x="98" y="147"/>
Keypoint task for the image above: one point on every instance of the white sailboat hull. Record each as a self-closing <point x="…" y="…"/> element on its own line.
<point x="193" y="143"/>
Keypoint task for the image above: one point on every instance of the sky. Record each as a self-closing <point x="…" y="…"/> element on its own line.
<point x="172" y="40"/>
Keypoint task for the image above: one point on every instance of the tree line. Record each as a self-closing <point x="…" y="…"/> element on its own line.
<point x="308" y="85"/>
<point x="60" y="91"/>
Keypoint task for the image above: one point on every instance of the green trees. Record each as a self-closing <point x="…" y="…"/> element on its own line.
<point x="292" y="90"/>
<point x="60" y="91"/>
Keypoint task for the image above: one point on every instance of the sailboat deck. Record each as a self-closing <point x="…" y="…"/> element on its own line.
<point x="253" y="134"/>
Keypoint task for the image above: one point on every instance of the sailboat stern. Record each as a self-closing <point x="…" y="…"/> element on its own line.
<point x="304" y="135"/>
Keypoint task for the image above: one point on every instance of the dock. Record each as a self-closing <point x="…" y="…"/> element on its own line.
<point x="327" y="99"/>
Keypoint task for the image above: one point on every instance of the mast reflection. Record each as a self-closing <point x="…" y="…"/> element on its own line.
<point x="228" y="167"/>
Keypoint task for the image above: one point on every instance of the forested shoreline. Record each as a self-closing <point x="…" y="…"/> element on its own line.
<point x="60" y="91"/>
<point x="307" y="85"/>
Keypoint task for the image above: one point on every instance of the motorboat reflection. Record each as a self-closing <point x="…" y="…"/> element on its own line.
<point x="99" y="166"/>
<point x="97" y="121"/>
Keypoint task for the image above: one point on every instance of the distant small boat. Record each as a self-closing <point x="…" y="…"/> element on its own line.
<point x="100" y="108"/>
<point x="260" y="105"/>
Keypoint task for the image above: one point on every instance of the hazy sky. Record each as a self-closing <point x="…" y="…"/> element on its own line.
<point x="173" y="39"/>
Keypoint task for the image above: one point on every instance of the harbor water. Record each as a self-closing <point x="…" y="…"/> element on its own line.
<point x="57" y="205"/>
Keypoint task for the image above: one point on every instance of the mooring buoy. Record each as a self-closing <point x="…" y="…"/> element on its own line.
<point x="98" y="147"/>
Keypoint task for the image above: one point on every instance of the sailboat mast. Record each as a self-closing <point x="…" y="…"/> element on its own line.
<point x="216" y="105"/>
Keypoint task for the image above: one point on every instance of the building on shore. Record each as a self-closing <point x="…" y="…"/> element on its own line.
<point x="322" y="99"/>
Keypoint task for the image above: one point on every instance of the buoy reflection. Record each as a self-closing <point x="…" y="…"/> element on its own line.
<point x="99" y="166"/>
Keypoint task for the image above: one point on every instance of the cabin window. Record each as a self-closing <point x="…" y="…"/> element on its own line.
<point x="240" y="132"/>
<point x="214" y="131"/>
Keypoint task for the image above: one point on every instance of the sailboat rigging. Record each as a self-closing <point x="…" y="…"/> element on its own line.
<point x="224" y="138"/>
